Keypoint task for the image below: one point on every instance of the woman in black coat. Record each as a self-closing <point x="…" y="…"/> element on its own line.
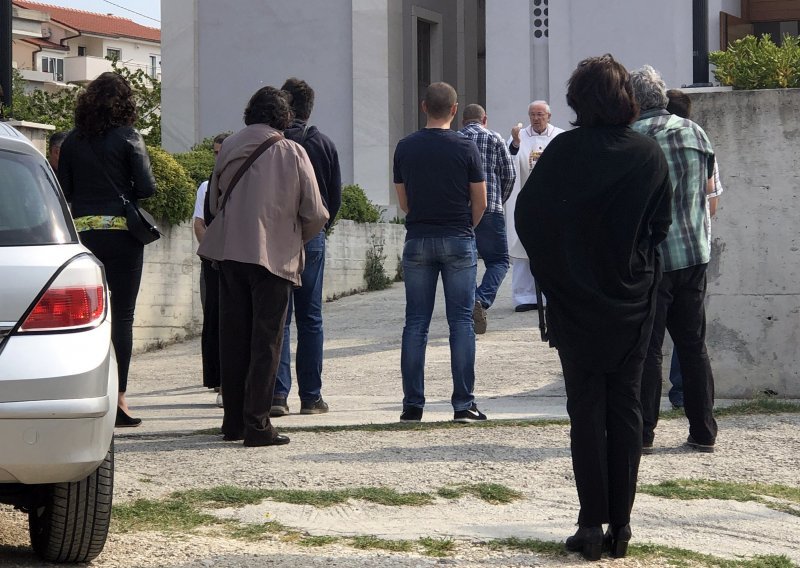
<point x="100" y="158"/>
<point x="590" y="217"/>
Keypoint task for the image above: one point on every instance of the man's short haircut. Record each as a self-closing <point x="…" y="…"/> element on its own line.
<point x="649" y="88"/>
<point x="439" y="99"/>
<point x="220" y="138"/>
<point x="545" y="103"/>
<point x="679" y="103"/>
<point x="302" y="97"/>
<point x="56" y="138"/>
<point x="600" y="93"/>
<point x="269" y="106"/>
<point x="473" y="113"/>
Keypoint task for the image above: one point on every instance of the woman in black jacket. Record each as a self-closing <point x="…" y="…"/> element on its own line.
<point x="101" y="158"/>
<point x="590" y="217"/>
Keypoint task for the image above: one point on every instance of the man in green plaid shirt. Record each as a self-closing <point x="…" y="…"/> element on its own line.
<point x="685" y="252"/>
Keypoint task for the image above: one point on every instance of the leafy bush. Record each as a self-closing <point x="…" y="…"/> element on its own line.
<point x="175" y="192"/>
<point x="197" y="163"/>
<point x="356" y="207"/>
<point x="757" y="63"/>
<point x="374" y="272"/>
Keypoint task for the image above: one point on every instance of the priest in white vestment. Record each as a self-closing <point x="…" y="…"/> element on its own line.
<point x="525" y="145"/>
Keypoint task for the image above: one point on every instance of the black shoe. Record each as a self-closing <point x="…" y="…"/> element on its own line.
<point x="526" y="307"/>
<point x="479" y="318"/>
<point x="279" y="407"/>
<point x="472" y="414"/>
<point x="647" y="448"/>
<point x="588" y="541"/>
<point x="616" y="540"/>
<point x="125" y="421"/>
<point x="318" y="406"/>
<point x="232" y="437"/>
<point x="257" y="442"/>
<point x="411" y="414"/>
<point x="697" y="446"/>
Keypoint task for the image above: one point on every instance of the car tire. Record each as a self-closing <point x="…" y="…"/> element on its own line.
<point x="69" y="522"/>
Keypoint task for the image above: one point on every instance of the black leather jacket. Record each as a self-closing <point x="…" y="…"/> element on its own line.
<point x="121" y="152"/>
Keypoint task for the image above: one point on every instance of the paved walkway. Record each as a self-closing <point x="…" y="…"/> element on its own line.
<point x="517" y="376"/>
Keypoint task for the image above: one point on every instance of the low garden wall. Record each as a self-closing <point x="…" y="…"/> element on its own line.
<point x="168" y="308"/>
<point x="753" y="300"/>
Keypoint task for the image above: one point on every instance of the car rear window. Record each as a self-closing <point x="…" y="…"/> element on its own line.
<point x="32" y="209"/>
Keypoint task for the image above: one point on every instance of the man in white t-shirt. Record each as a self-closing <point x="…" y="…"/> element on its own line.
<point x="525" y="146"/>
<point x="209" y="290"/>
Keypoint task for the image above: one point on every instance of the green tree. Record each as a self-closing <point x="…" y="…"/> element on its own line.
<point x="58" y="108"/>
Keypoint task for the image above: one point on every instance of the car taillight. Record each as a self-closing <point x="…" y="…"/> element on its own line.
<point x="75" y="299"/>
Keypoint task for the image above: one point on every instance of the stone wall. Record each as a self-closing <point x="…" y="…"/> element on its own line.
<point x="168" y="308"/>
<point x="753" y="313"/>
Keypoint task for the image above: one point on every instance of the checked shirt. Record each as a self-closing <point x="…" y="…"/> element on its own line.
<point x="497" y="165"/>
<point x="691" y="161"/>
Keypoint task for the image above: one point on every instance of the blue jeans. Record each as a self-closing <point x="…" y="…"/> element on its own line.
<point x="490" y="238"/>
<point x="423" y="260"/>
<point x="306" y="302"/>
<point x="676" y="378"/>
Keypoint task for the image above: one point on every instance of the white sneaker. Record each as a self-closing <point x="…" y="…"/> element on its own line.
<point x="219" y="400"/>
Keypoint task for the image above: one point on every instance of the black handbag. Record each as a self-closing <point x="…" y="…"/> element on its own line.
<point x="141" y="225"/>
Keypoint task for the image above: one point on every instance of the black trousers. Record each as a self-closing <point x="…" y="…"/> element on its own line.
<point x="605" y="438"/>
<point x="680" y="309"/>
<point x="210" y="339"/>
<point x="122" y="256"/>
<point x="252" y="304"/>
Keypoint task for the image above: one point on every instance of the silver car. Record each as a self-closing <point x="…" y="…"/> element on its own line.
<point x="58" y="374"/>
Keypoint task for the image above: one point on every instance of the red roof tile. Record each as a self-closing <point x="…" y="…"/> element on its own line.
<point x="41" y="42"/>
<point x="92" y="23"/>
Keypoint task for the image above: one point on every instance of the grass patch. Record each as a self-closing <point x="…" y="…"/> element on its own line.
<point x="437" y="547"/>
<point x="788" y="498"/>
<point x="528" y="545"/>
<point x="252" y="532"/>
<point x="373" y="542"/>
<point x="754" y="407"/>
<point x="229" y="496"/>
<point x="682" y="557"/>
<point x="490" y="492"/>
<point x="167" y="516"/>
<point x="310" y="540"/>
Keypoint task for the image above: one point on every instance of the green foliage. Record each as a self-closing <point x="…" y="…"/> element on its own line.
<point x="357" y="207"/>
<point x="398" y="273"/>
<point x="374" y="272"/>
<point x="757" y="63"/>
<point x="58" y="108"/>
<point x="175" y="191"/>
<point x="147" y="92"/>
<point x="198" y="164"/>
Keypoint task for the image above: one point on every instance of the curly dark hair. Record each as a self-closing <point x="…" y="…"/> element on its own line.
<point x="600" y="93"/>
<point x="302" y="97"/>
<point x="269" y="106"/>
<point x="105" y="104"/>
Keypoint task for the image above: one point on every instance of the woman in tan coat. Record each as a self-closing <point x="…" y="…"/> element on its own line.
<point x="257" y="239"/>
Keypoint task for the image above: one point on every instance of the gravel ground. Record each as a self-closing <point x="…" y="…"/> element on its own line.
<point x="362" y="384"/>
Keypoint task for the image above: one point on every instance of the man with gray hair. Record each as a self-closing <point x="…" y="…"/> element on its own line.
<point x="490" y="234"/>
<point x="685" y="253"/>
<point x="525" y="145"/>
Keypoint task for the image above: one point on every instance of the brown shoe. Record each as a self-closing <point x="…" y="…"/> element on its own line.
<point x="479" y="318"/>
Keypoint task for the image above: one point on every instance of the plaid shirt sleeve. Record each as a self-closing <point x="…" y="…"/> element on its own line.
<point x="506" y="173"/>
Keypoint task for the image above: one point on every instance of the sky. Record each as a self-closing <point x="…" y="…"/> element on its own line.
<point x="148" y="8"/>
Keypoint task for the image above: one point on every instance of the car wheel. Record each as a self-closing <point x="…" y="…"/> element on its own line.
<point x="69" y="522"/>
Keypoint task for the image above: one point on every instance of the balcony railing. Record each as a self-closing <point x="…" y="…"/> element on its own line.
<point x="82" y="69"/>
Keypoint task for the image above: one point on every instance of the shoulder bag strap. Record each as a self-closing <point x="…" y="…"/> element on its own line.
<point x="243" y="168"/>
